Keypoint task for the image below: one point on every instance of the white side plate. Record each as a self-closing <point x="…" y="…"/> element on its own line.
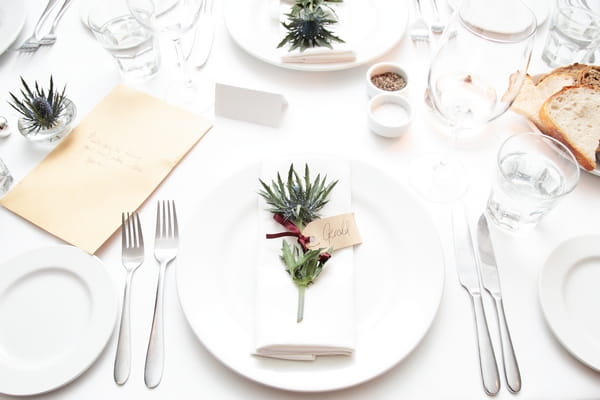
<point x="399" y="281"/>
<point x="57" y="311"/>
<point x="568" y="289"/>
<point x="12" y="19"/>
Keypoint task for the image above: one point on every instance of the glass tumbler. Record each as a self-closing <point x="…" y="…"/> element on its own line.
<point x="533" y="172"/>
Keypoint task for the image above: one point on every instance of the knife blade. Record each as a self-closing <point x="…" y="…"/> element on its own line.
<point x="466" y="267"/>
<point x="490" y="278"/>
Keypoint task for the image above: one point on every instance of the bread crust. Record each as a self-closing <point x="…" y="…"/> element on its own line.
<point x="553" y="130"/>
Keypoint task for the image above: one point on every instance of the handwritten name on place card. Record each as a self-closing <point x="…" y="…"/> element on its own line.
<point x="334" y="232"/>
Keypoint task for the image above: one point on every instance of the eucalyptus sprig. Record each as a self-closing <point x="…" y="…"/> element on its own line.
<point x="299" y="201"/>
<point x="308" y="23"/>
<point x="40" y="109"/>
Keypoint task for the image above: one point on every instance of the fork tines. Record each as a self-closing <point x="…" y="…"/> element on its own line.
<point x="131" y="235"/>
<point x="166" y="220"/>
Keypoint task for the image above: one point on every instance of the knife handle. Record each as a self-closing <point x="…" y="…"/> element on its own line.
<point x="511" y="367"/>
<point x="487" y="358"/>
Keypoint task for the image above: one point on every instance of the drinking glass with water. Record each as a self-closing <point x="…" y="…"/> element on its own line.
<point x="533" y="172"/>
<point x="574" y="33"/>
<point x="133" y="46"/>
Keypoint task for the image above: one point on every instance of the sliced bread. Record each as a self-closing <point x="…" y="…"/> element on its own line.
<point x="572" y="116"/>
<point x="531" y="96"/>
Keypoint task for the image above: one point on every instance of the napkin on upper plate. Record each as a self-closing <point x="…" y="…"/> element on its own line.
<point x="341" y="52"/>
<point x="328" y="327"/>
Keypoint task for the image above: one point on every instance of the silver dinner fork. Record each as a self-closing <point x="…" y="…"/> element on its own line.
<point x="437" y="26"/>
<point x="50" y="37"/>
<point x="30" y="44"/>
<point x="165" y="250"/>
<point x="419" y="31"/>
<point x="132" y="256"/>
<point x="203" y="35"/>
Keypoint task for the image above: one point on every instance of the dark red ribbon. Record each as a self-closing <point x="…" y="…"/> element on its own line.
<point x="292" y="230"/>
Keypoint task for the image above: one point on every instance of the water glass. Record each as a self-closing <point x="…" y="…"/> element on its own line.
<point x="533" y="172"/>
<point x="132" y="45"/>
<point x="574" y="34"/>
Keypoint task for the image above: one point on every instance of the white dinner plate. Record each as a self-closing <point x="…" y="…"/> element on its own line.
<point x="57" y="311"/>
<point x="12" y="19"/>
<point x="541" y="8"/>
<point x="568" y="289"/>
<point x="377" y="26"/>
<point x="399" y="281"/>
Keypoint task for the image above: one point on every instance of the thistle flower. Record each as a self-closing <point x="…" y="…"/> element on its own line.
<point x="40" y="110"/>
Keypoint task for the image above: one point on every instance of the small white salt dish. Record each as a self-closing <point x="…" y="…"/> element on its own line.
<point x="381" y="68"/>
<point x="389" y="115"/>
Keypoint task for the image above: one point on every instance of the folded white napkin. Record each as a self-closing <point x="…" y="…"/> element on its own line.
<point x="341" y="52"/>
<point x="328" y="327"/>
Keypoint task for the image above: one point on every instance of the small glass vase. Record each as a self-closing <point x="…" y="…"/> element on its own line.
<point x="57" y="132"/>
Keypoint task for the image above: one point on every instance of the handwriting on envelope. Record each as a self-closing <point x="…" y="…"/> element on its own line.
<point x="110" y="163"/>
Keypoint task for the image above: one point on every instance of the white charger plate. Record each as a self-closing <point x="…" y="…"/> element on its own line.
<point x="568" y="291"/>
<point x="399" y="281"/>
<point x="57" y="311"/>
<point x="12" y="19"/>
<point x="377" y="26"/>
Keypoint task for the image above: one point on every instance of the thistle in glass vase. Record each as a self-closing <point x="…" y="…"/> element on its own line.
<point x="294" y="204"/>
<point x="46" y="115"/>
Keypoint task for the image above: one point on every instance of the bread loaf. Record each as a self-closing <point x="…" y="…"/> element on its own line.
<point x="572" y="116"/>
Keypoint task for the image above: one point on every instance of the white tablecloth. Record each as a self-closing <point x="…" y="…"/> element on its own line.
<point x="327" y="111"/>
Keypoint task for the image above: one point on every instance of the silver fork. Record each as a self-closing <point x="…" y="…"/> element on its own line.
<point x="437" y="26"/>
<point x="204" y="35"/>
<point x="165" y="251"/>
<point x="132" y="255"/>
<point x="30" y="44"/>
<point x="419" y="31"/>
<point x="50" y="37"/>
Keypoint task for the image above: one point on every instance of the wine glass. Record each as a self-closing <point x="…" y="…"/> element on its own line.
<point x="172" y="19"/>
<point x="473" y="78"/>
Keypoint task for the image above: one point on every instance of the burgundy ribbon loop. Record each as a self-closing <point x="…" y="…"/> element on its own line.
<point x="292" y="230"/>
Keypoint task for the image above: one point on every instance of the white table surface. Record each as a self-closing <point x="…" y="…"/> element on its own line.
<point x="326" y="114"/>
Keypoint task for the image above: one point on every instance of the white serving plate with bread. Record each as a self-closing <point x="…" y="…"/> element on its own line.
<point x="565" y="104"/>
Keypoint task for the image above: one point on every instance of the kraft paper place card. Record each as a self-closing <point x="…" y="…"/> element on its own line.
<point x="249" y="105"/>
<point x="110" y="163"/>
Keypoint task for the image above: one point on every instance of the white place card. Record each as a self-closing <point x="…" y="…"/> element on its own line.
<point x="250" y="105"/>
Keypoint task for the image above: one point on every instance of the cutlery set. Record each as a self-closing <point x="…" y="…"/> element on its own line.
<point x="35" y="41"/>
<point x="474" y="273"/>
<point x="165" y="250"/>
<point x="420" y="31"/>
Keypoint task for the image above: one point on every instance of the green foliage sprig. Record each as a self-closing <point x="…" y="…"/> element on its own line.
<point x="299" y="201"/>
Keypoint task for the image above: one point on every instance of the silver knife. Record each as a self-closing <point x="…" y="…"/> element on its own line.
<point x="466" y="267"/>
<point x="491" y="282"/>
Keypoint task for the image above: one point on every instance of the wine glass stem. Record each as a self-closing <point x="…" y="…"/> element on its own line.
<point x="181" y="62"/>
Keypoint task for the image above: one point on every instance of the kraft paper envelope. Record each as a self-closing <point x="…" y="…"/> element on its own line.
<point x="110" y="163"/>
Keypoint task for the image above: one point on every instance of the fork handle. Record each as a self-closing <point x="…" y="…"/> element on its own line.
<point x="43" y="17"/>
<point x="155" y="355"/>
<point x="59" y="15"/>
<point x="123" y="356"/>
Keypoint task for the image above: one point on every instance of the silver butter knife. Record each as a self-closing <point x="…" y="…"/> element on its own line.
<point x="491" y="282"/>
<point x="466" y="267"/>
